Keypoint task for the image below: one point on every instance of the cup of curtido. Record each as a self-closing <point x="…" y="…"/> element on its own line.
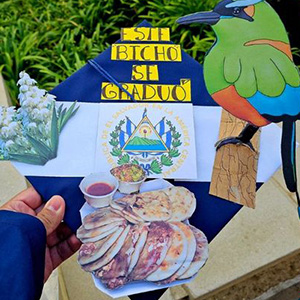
<point x="130" y="177"/>
<point x="99" y="188"/>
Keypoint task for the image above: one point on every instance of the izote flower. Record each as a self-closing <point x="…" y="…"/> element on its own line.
<point x="31" y="133"/>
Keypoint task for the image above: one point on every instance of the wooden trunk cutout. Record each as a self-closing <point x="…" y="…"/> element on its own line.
<point x="235" y="166"/>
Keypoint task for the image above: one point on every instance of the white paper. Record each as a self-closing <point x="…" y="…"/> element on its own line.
<point x="142" y="122"/>
<point x="270" y="152"/>
<point x="134" y="287"/>
<point x="76" y="149"/>
<point x="78" y="140"/>
<point x="207" y="124"/>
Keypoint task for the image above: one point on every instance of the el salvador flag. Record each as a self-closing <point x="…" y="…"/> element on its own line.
<point x="167" y="138"/>
<point x="211" y="214"/>
<point x="130" y="127"/>
<point x="160" y="127"/>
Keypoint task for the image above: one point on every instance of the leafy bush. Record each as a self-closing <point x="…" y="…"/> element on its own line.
<point x="52" y="39"/>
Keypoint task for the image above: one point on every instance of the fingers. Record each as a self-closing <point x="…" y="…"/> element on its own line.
<point x="64" y="250"/>
<point x="52" y="213"/>
<point x="30" y="197"/>
<point x="60" y="234"/>
<point x="19" y="206"/>
<point x="26" y="202"/>
<point x="48" y="265"/>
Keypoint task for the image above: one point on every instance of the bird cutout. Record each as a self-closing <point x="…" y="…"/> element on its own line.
<point x="250" y="72"/>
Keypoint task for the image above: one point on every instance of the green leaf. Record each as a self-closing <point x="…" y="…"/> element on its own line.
<point x="176" y="143"/>
<point x="135" y="162"/>
<point x="116" y="152"/>
<point x="166" y="161"/>
<point x="176" y="135"/>
<point x="124" y="160"/>
<point x="114" y="143"/>
<point x="59" y="110"/>
<point x="155" y="167"/>
<point x="114" y="134"/>
<point x="28" y="158"/>
<point x="40" y="148"/>
<point x="174" y="153"/>
<point x="54" y="133"/>
<point x="52" y="40"/>
<point x="61" y="117"/>
<point x="67" y="115"/>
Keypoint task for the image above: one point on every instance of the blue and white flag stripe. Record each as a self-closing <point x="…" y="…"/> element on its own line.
<point x="130" y="127"/>
<point x="77" y="144"/>
<point x="160" y="127"/>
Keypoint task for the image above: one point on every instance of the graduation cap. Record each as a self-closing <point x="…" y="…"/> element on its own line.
<point x="86" y="86"/>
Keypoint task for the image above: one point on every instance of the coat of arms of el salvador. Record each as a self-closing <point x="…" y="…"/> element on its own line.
<point x="159" y="138"/>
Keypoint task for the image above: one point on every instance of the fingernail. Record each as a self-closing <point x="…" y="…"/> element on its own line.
<point x="54" y="204"/>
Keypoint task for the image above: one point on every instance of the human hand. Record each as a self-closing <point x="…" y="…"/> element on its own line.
<point x="61" y="242"/>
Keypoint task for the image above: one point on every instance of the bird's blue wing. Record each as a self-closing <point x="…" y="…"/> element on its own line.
<point x="286" y="104"/>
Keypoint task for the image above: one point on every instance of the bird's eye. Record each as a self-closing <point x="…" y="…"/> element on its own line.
<point x="236" y="11"/>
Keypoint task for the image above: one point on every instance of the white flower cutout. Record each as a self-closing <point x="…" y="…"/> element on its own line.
<point x="31" y="133"/>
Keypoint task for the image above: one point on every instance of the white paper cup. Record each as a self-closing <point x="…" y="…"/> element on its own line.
<point x="98" y="201"/>
<point x="130" y="187"/>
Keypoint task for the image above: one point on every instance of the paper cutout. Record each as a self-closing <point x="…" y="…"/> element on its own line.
<point x="160" y="138"/>
<point x="235" y="166"/>
<point x="148" y="92"/>
<point x="145" y="138"/>
<point x="143" y="51"/>
<point x="145" y="34"/>
<point x="145" y="72"/>
<point x="74" y="160"/>
<point x="146" y="52"/>
<point x="30" y="134"/>
<point x="134" y="287"/>
<point x="250" y="71"/>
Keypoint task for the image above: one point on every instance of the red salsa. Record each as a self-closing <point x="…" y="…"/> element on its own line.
<point x="99" y="189"/>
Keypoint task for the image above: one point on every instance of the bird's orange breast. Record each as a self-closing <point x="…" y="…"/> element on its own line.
<point x="238" y="106"/>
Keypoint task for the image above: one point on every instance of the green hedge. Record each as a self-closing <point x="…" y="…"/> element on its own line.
<point x="52" y="38"/>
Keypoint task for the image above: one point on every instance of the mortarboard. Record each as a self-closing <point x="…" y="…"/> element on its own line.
<point x="212" y="213"/>
<point x="85" y="86"/>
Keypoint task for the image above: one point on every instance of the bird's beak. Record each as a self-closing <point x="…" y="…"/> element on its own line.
<point x="210" y="18"/>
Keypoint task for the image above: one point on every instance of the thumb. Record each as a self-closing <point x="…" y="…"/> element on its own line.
<point x="52" y="213"/>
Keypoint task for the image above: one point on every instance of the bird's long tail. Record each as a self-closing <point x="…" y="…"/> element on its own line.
<point x="288" y="154"/>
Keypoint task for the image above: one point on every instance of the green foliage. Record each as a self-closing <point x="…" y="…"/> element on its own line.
<point x="155" y="167"/>
<point x="114" y="142"/>
<point x="135" y="162"/>
<point x="116" y="151"/>
<point x="64" y="115"/>
<point x="176" y="143"/>
<point x="176" y="135"/>
<point x="174" y="153"/>
<point x="27" y="158"/>
<point x="124" y="159"/>
<point x="42" y="151"/>
<point x="52" y="39"/>
<point x="166" y="161"/>
<point x="114" y="135"/>
<point x="40" y="148"/>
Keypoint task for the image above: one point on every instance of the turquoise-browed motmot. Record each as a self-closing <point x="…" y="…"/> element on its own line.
<point x="250" y="72"/>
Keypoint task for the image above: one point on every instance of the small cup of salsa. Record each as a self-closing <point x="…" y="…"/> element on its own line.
<point x="130" y="177"/>
<point x="98" y="189"/>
